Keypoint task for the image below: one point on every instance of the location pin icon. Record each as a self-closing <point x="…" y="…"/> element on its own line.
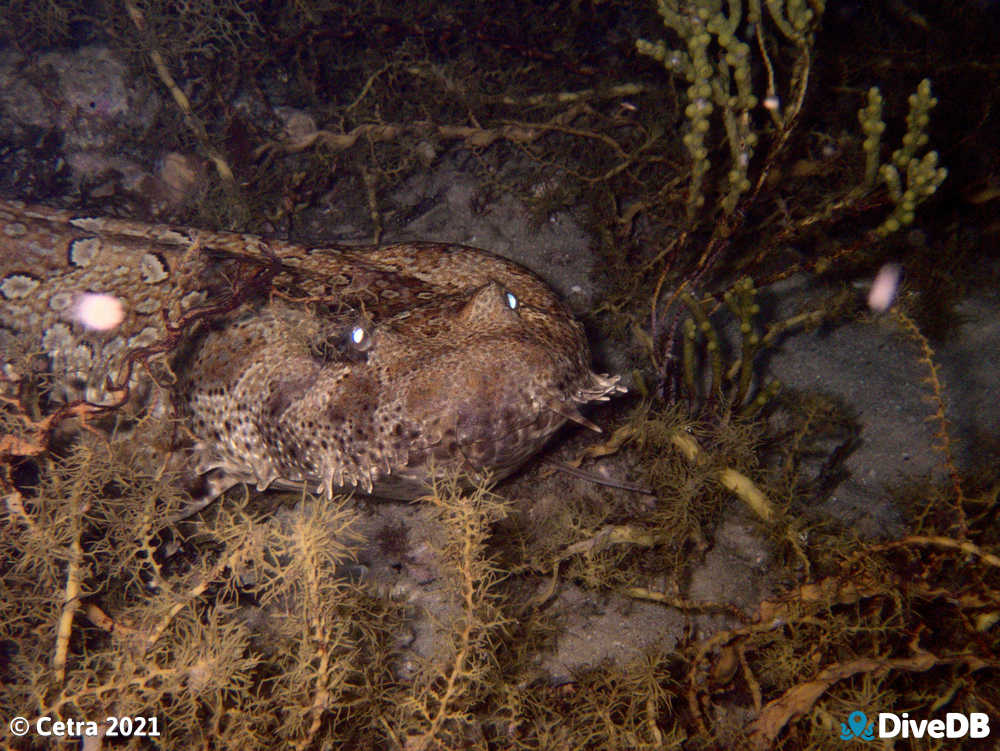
<point x="857" y="721"/>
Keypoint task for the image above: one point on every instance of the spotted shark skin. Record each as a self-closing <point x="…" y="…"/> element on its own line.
<point x="369" y="368"/>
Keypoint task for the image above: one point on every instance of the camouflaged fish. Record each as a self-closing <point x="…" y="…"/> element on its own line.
<point x="369" y="368"/>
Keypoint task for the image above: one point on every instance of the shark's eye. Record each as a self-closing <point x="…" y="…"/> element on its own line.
<point x="511" y="299"/>
<point x="344" y="343"/>
<point x="359" y="338"/>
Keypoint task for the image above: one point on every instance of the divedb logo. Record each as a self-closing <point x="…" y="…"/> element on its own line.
<point x="890" y="725"/>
